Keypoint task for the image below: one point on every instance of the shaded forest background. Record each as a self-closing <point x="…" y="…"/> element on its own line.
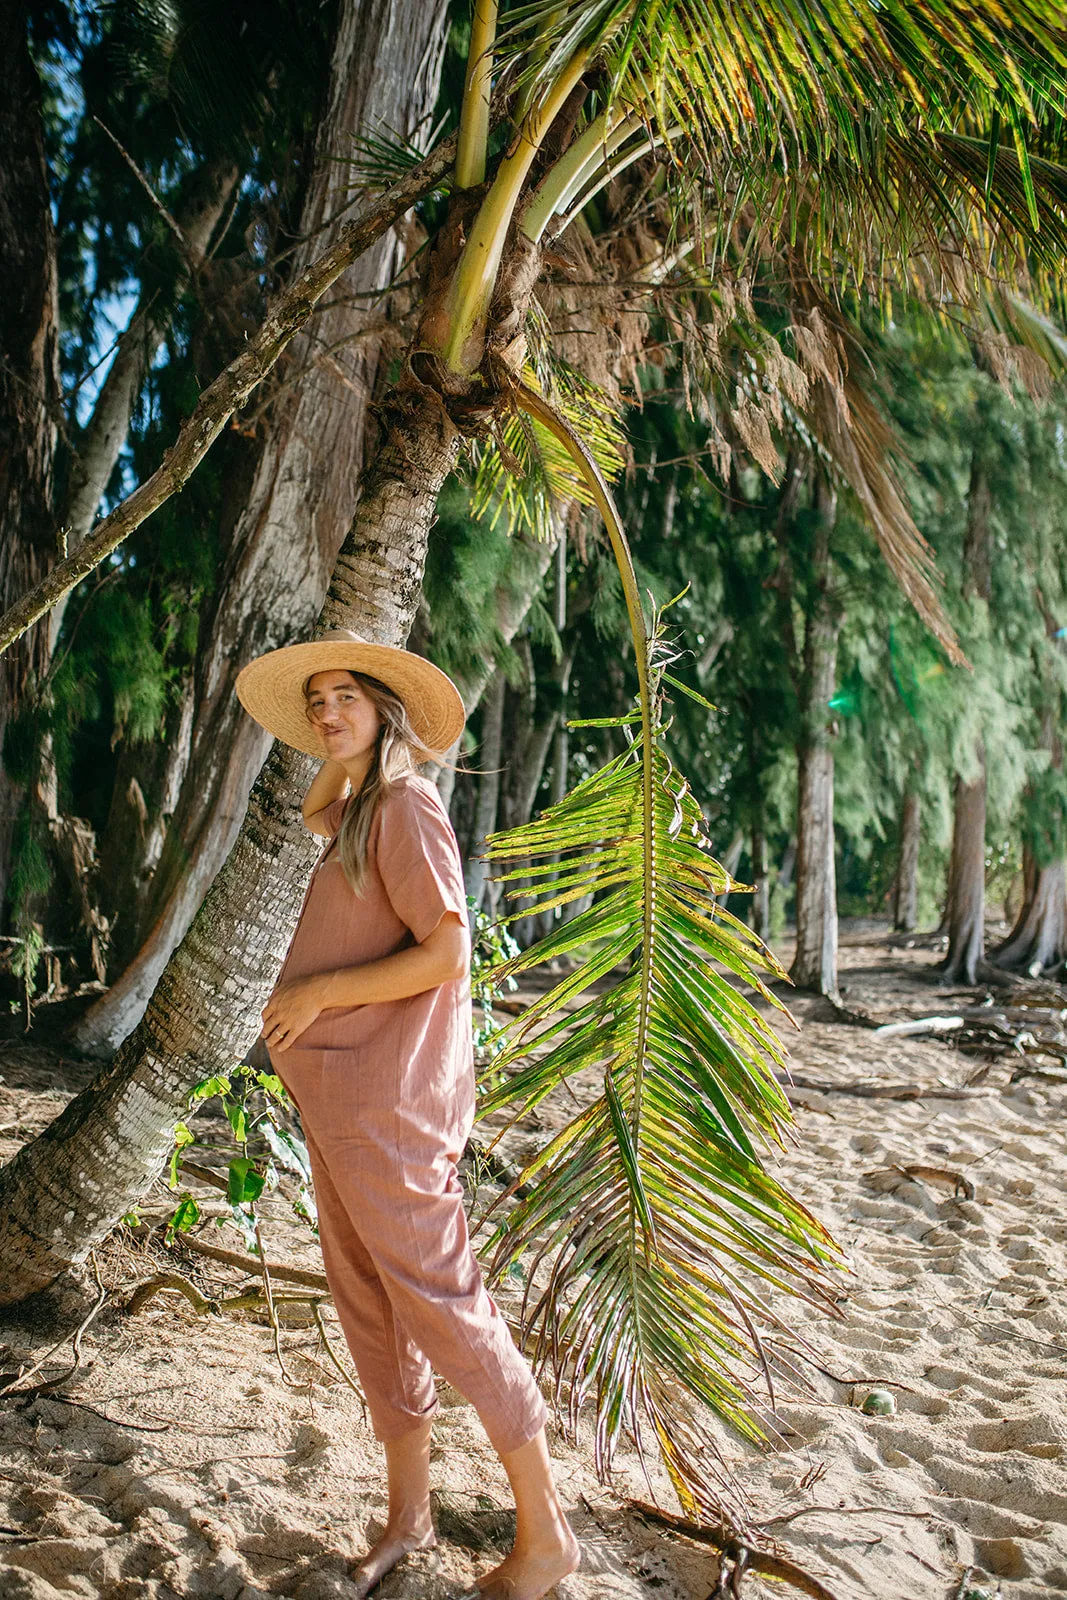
<point x="188" y="160"/>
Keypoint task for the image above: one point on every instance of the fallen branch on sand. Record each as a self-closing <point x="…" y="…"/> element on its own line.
<point x="738" y="1557"/>
<point x="919" y="1026"/>
<point x="252" y="1266"/>
<point x="889" y="1091"/>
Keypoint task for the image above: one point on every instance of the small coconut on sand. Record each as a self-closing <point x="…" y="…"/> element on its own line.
<point x="177" y="1460"/>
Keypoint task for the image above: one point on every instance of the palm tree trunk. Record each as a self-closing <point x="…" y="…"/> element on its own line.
<point x="386" y="68"/>
<point x="65" y="1191"/>
<point x="815" y="963"/>
<point x="906" y="880"/>
<point x="29" y="383"/>
<point x="966" y="883"/>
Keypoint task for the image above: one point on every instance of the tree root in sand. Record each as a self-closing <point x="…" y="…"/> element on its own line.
<point x="203" y="1305"/>
<point x="11" y="1383"/>
<point x="738" y="1557"/>
<point x="252" y="1265"/>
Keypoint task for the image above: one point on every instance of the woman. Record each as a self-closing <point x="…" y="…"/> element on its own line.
<point x="369" y="1028"/>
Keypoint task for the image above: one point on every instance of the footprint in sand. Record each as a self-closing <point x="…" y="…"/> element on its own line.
<point x="1031" y="1435"/>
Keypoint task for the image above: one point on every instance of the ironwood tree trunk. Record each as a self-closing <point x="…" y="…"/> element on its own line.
<point x="761" y="887"/>
<point x="1038" y="941"/>
<point x="143" y="800"/>
<point x="65" y="1191"/>
<point x="965" y="895"/>
<point x="815" y="963"/>
<point x="478" y="883"/>
<point x="29" y="382"/>
<point x="966" y="882"/>
<point x="906" y="879"/>
<point x="385" y="72"/>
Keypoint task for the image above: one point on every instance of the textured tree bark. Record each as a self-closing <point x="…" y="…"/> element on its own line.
<point x="65" y="1191"/>
<point x="966" y="883"/>
<point x="906" y="881"/>
<point x="1038" y="941"/>
<point x="29" y="381"/>
<point x="287" y="316"/>
<point x="815" y="963"/>
<point x="386" y="69"/>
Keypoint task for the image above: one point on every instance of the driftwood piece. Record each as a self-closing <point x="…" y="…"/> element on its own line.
<point x="919" y="1025"/>
<point x="889" y="1091"/>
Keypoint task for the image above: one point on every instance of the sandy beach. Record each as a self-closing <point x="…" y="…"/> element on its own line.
<point x="177" y="1460"/>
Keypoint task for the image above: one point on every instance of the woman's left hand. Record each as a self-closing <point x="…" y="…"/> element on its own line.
<point x="291" y="1009"/>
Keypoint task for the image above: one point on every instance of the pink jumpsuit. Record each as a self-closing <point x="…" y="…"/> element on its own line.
<point x="386" y="1098"/>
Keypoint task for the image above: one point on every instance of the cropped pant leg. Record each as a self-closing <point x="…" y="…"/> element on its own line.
<point x="396" y="1377"/>
<point x="407" y="1287"/>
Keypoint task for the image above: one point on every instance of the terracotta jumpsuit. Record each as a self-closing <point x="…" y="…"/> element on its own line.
<point x="386" y="1099"/>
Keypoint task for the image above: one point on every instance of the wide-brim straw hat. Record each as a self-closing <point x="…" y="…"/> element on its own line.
<point x="271" y="689"/>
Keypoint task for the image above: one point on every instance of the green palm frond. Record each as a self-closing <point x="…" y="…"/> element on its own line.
<point x="775" y="75"/>
<point x="524" y="474"/>
<point x="384" y="156"/>
<point x="656" y="1230"/>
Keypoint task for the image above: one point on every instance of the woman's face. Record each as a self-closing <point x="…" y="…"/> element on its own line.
<point x="344" y="715"/>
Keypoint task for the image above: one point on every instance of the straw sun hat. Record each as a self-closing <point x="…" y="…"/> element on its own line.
<point x="271" y="688"/>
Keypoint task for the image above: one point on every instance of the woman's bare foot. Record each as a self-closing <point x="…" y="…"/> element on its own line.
<point x="533" y="1572"/>
<point x="394" y="1544"/>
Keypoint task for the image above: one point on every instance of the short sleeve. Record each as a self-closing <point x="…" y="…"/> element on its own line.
<point x="418" y="857"/>
<point x="330" y="816"/>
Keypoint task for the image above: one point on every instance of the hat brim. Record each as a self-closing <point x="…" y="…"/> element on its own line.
<point x="271" y="689"/>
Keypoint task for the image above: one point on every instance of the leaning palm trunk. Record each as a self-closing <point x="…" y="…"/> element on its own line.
<point x="67" y="1189"/>
<point x="386" y="67"/>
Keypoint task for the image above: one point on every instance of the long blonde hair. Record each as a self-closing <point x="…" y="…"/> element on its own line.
<point x="397" y="750"/>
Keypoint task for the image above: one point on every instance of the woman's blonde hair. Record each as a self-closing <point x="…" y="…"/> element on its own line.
<point x="397" y="750"/>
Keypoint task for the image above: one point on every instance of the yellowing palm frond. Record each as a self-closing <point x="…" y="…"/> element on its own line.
<point x="656" y="1231"/>
<point x="794" y="76"/>
<point x="525" y="474"/>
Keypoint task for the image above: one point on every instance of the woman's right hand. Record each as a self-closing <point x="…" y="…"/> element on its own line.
<point x="291" y="1010"/>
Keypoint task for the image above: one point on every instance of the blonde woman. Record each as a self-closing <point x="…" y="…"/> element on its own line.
<point x="369" y="1027"/>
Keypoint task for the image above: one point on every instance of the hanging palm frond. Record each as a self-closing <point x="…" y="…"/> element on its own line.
<point x="655" y="1227"/>
<point x="779" y="77"/>
<point x="653" y="1224"/>
<point x="524" y="474"/>
<point x="384" y="156"/>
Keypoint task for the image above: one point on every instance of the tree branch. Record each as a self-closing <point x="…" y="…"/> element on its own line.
<point x="229" y="391"/>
